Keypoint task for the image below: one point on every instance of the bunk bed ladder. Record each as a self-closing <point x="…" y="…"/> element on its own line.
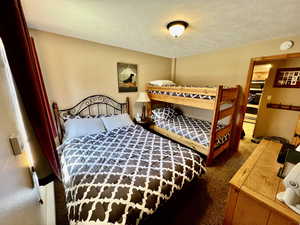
<point x="214" y="123"/>
<point x="223" y="96"/>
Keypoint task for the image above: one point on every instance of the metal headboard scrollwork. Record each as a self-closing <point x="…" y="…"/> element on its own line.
<point x="92" y="106"/>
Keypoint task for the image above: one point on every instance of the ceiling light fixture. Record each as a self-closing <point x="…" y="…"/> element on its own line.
<point x="176" y="28"/>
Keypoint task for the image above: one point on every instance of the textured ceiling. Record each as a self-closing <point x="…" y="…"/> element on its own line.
<point x="140" y="24"/>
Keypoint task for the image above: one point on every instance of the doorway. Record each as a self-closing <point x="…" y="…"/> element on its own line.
<point x="258" y="118"/>
<point x="256" y="90"/>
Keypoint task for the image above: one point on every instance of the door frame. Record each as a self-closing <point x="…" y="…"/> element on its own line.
<point x="246" y="88"/>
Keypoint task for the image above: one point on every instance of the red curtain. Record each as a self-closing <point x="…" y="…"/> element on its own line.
<point x="24" y="64"/>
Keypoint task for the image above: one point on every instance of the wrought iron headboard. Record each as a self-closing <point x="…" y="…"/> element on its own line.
<point x="95" y="105"/>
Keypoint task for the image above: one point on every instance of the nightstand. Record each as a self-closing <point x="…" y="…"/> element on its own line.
<point x="145" y="124"/>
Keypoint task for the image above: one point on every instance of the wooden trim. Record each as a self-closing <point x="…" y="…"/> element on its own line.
<point x="185" y="141"/>
<point x="276" y="57"/>
<point x="296" y="139"/>
<point x="193" y="102"/>
<point x="233" y="121"/>
<point x="243" y="106"/>
<point x="231" y="205"/>
<point x="59" y="127"/>
<point x="225" y="130"/>
<point x="220" y="149"/>
<point x="214" y="126"/>
<point x="229" y="94"/>
<point x="127" y="105"/>
<point x="226" y="112"/>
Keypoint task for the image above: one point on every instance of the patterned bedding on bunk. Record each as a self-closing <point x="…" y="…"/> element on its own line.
<point x="187" y="95"/>
<point x="194" y="129"/>
<point x="123" y="176"/>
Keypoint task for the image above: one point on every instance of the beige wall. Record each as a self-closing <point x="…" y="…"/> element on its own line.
<point x="227" y="66"/>
<point x="275" y="122"/>
<point x="74" y="68"/>
<point x="18" y="200"/>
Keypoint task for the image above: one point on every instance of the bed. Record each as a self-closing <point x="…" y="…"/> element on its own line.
<point x="121" y="176"/>
<point x="194" y="129"/>
<point x="220" y="100"/>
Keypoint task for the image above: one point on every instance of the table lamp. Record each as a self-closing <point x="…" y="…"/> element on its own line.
<point x="143" y="98"/>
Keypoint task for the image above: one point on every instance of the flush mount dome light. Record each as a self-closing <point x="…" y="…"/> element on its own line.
<point x="176" y="28"/>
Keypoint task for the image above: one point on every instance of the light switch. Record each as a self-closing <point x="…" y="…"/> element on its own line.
<point x="16" y="146"/>
<point x="269" y="97"/>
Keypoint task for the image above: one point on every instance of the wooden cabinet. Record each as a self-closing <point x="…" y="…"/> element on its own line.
<point x="253" y="189"/>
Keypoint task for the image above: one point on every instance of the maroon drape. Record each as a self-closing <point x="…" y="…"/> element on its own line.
<point x="24" y="64"/>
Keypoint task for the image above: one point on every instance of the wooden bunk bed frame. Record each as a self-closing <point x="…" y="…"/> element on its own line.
<point x="222" y="96"/>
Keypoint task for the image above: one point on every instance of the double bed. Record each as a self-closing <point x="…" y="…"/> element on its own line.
<point x="122" y="175"/>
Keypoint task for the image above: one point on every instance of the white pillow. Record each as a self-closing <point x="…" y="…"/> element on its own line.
<point x="162" y="83"/>
<point x="83" y="126"/>
<point x="116" y="121"/>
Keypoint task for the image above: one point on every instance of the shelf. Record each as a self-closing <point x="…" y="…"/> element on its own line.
<point x="253" y="106"/>
<point x="257" y="81"/>
<point x="249" y="121"/>
<point x="256" y="89"/>
<point x="250" y="116"/>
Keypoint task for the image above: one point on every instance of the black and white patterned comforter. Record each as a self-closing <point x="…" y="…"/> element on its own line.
<point x="122" y="176"/>
<point x="187" y="95"/>
<point x="191" y="128"/>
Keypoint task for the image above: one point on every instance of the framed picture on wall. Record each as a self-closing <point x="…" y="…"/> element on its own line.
<point x="127" y="77"/>
<point x="287" y="78"/>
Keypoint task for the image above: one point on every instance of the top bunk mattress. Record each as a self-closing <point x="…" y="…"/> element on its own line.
<point x="194" y="129"/>
<point x="208" y="93"/>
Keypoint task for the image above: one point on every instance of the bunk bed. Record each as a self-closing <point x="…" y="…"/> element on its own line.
<point x="222" y="101"/>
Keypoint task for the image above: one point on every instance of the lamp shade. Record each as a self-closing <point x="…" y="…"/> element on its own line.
<point x="143" y="97"/>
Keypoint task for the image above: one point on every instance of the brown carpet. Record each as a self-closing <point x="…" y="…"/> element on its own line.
<point x="202" y="203"/>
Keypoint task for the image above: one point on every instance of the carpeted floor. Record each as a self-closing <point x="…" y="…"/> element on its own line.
<point x="203" y="203"/>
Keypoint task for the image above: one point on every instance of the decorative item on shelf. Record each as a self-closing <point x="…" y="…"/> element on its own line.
<point x="287" y="78"/>
<point x="176" y="28"/>
<point x="144" y="99"/>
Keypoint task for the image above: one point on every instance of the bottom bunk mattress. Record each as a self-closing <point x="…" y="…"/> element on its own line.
<point x="123" y="176"/>
<point x="191" y="128"/>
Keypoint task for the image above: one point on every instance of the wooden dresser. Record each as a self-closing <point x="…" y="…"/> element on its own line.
<point x="252" y="193"/>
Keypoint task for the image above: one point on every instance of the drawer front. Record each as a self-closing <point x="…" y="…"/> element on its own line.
<point x="250" y="212"/>
<point x="277" y="219"/>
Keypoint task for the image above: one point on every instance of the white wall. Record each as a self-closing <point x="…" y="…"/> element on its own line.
<point x="74" y="68"/>
<point x="18" y="199"/>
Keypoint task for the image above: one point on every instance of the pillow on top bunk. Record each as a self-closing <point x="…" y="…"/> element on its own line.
<point x="117" y="121"/>
<point x="163" y="113"/>
<point x="162" y="83"/>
